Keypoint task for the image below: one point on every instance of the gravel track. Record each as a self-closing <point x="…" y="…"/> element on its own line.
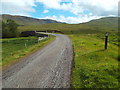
<point x="49" y="67"/>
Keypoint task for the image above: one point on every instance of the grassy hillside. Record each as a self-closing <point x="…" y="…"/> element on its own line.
<point x="23" y="20"/>
<point x="95" y="26"/>
<point x="66" y="28"/>
<point x="111" y="22"/>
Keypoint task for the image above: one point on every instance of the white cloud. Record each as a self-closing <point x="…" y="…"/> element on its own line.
<point x="20" y="7"/>
<point x="45" y="11"/>
<point x="71" y="20"/>
<point x="97" y="7"/>
<point x="50" y="3"/>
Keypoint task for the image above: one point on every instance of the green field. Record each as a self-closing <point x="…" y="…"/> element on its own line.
<point x="94" y="67"/>
<point x="15" y="48"/>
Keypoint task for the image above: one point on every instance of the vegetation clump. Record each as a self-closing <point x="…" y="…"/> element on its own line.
<point x="9" y="29"/>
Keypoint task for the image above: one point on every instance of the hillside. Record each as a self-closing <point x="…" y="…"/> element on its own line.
<point x="111" y="22"/>
<point x="23" y="20"/>
<point x="107" y="24"/>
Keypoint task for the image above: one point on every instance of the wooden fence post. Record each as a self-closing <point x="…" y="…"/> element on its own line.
<point x="106" y="40"/>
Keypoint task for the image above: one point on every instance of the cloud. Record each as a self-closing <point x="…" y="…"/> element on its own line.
<point x="72" y="20"/>
<point x="55" y="4"/>
<point x="99" y="7"/>
<point x="20" y="7"/>
<point x="45" y="11"/>
<point x="96" y="7"/>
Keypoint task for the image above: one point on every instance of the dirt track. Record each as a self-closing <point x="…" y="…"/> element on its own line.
<point x="49" y="67"/>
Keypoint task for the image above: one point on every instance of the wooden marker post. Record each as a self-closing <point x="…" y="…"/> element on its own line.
<point x="106" y="40"/>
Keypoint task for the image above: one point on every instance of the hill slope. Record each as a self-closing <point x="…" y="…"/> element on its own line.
<point x="107" y="24"/>
<point x="23" y="20"/>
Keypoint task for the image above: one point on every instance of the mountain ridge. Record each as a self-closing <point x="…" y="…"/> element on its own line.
<point x="24" y="20"/>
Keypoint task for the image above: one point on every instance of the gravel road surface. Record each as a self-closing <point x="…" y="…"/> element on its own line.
<point x="49" y="67"/>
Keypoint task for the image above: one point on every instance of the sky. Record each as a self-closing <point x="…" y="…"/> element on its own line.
<point x="69" y="11"/>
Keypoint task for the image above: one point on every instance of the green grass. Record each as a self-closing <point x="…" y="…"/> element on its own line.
<point x="14" y="48"/>
<point x="94" y="67"/>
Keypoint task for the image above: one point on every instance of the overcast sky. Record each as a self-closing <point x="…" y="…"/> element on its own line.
<point x="70" y="11"/>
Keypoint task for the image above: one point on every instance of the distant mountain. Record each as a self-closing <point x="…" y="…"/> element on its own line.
<point x="23" y="20"/>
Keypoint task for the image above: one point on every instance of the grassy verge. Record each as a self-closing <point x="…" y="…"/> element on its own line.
<point x="16" y="48"/>
<point x="94" y="67"/>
